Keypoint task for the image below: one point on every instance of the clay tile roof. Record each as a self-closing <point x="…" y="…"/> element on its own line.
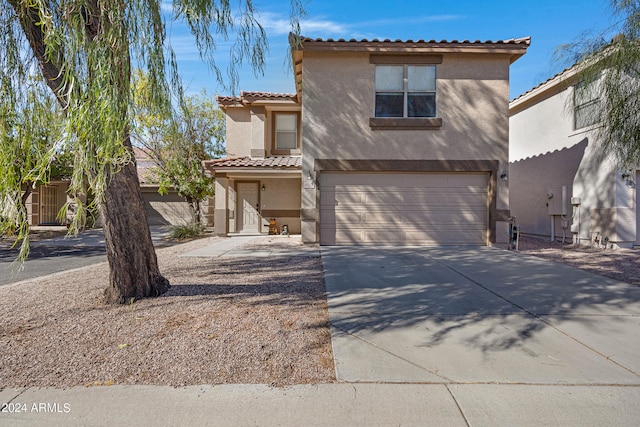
<point x="249" y="97"/>
<point x="516" y="41"/>
<point x="279" y="162"/>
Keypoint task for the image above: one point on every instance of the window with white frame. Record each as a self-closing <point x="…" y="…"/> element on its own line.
<point x="286" y="133"/>
<point x="585" y="104"/>
<point x="405" y="91"/>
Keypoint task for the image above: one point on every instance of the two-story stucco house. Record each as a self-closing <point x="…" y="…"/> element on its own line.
<point x="561" y="185"/>
<point x="384" y="142"/>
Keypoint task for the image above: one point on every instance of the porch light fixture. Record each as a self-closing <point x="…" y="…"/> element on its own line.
<point x="627" y="178"/>
<point x="504" y="176"/>
<point x="263" y="187"/>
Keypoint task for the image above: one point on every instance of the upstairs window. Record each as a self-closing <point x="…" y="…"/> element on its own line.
<point x="585" y="104"/>
<point x="286" y="134"/>
<point x="405" y="91"/>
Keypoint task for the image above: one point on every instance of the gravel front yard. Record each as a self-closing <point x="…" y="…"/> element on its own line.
<point x="261" y="320"/>
<point x="618" y="264"/>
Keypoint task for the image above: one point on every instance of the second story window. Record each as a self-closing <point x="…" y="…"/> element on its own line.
<point x="286" y="133"/>
<point x="585" y="105"/>
<point x="405" y="91"/>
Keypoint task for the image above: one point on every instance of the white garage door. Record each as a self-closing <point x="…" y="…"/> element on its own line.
<point x="400" y="208"/>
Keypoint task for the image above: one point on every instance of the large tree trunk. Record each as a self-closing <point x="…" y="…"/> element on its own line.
<point x="132" y="259"/>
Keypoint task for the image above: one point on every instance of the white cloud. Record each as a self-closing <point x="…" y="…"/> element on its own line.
<point x="276" y="24"/>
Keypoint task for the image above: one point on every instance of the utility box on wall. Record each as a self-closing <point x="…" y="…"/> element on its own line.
<point x="558" y="200"/>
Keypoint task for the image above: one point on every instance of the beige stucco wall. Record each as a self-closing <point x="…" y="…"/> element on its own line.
<point x="250" y="129"/>
<point x="280" y="200"/>
<point x="338" y="101"/>
<point x="238" y="136"/>
<point x="546" y="152"/>
<point x="170" y="209"/>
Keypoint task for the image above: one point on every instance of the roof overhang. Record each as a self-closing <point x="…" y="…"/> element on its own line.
<point x="258" y="98"/>
<point x="514" y="48"/>
<point x="269" y="165"/>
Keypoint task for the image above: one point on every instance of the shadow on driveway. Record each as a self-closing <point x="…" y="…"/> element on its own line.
<point x="477" y="314"/>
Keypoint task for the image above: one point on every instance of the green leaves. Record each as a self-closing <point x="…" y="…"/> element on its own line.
<point x="79" y="53"/>
<point x="178" y="140"/>
<point x="614" y="67"/>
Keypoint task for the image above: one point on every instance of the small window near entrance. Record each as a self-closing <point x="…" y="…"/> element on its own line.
<point x="286" y="134"/>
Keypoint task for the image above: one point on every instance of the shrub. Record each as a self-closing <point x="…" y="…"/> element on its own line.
<point x="186" y="231"/>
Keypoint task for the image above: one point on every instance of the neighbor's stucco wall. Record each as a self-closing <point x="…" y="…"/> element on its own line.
<point x="546" y="153"/>
<point x="34" y="200"/>
<point x="338" y="101"/>
<point x="171" y="208"/>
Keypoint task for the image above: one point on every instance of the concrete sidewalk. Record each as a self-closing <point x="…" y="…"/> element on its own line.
<point x="325" y="405"/>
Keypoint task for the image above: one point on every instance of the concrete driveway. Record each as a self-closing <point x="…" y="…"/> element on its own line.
<point x="477" y="315"/>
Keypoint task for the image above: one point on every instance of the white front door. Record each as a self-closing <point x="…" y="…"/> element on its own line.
<point x="248" y="217"/>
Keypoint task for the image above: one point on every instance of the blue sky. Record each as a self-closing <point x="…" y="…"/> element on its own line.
<point x="550" y="23"/>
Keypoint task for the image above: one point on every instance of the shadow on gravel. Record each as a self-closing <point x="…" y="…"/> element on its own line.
<point x="277" y="281"/>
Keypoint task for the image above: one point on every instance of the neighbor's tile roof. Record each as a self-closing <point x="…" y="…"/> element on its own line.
<point x="279" y="162"/>
<point x="248" y="97"/>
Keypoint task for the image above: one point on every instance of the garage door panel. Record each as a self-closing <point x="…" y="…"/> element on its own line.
<point x="403" y="208"/>
<point x="424" y="218"/>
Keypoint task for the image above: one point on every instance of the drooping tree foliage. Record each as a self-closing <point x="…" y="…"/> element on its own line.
<point x="178" y="141"/>
<point x="610" y="67"/>
<point x="83" y="51"/>
<point x="28" y="124"/>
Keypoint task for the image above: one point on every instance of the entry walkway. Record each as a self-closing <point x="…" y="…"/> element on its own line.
<point x="232" y="247"/>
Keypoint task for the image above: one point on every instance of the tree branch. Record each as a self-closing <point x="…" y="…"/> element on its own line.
<point x="29" y="18"/>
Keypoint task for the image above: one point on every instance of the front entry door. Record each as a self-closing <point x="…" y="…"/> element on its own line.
<point x="248" y="218"/>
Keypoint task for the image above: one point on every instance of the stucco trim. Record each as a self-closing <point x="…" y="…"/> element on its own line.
<point x="283" y="213"/>
<point x="415" y="166"/>
<point x="405" y="59"/>
<point x="405" y="123"/>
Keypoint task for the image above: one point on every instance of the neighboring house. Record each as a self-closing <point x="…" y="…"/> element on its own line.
<point x="561" y="185"/>
<point x="384" y="142"/>
<point x="45" y="201"/>
<point x="167" y="209"/>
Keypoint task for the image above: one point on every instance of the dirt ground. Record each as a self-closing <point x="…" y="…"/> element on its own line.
<point x="618" y="264"/>
<point x="261" y="320"/>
